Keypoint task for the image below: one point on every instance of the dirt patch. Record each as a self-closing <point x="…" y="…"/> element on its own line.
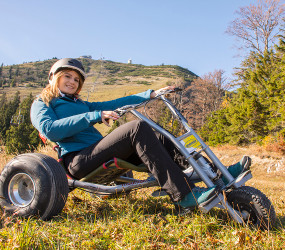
<point x="262" y="161"/>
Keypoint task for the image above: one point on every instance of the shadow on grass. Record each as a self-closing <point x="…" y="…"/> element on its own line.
<point x="131" y="206"/>
<point x="119" y="207"/>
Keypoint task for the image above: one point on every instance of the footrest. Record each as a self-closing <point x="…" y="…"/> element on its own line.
<point x="242" y="178"/>
<point x="208" y="205"/>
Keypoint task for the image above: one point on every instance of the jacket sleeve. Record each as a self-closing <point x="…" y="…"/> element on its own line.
<point x="117" y="103"/>
<point x="47" y="123"/>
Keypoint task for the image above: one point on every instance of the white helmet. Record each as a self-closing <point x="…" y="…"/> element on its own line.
<point x="67" y="63"/>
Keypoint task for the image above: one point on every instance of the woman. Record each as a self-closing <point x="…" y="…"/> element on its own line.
<point x="64" y="118"/>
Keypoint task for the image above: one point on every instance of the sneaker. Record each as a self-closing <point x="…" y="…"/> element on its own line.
<point x="238" y="168"/>
<point x="196" y="197"/>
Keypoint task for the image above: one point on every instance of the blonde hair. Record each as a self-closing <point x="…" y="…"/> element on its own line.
<point x="52" y="91"/>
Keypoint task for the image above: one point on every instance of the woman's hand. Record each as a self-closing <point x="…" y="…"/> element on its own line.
<point x="107" y="115"/>
<point x="159" y="91"/>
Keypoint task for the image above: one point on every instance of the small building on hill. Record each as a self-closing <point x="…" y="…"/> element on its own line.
<point x="87" y="57"/>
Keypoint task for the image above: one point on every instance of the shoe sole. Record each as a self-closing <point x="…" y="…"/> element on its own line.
<point x="246" y="164"/>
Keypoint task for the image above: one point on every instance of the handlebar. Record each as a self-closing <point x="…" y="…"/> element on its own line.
<point x="168" y="91"/>
<point x="122" y="110"/>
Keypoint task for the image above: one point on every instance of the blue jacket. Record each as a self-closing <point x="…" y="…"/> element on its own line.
<point x="70" y="122"/>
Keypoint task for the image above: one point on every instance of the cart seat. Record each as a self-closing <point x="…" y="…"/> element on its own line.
<point x="111" y="170"/>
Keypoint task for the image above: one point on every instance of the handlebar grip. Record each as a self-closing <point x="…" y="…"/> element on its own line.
<point x="177" y="89"/>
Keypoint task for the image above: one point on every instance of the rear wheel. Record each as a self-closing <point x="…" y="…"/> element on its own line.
<point x="254" y="206"/>
<point x="33" y="184"/>
<point x="21" y="189"/>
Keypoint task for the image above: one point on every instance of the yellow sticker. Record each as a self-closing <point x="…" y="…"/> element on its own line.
<point x="191" y="143"/>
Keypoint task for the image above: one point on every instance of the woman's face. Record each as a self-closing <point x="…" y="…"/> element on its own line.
<point x="68" y="83"/>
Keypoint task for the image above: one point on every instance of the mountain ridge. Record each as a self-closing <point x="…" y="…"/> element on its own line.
<point x="32" y="76"/>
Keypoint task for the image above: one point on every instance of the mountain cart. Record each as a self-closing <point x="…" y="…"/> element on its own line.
<point x="34" y="184"/>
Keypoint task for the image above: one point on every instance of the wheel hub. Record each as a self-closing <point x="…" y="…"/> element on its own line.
<point x="247" y="213"/>
<point x="21" y="189"/>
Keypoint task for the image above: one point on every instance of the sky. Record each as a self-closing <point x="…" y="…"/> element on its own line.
<point x="188" y="33"/>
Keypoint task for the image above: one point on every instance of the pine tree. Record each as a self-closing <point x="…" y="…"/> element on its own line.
<point x="10" y="72"/>
<point x="7" y="110"/>
<point x="1" y="69"/>
<point x="216" y="130"/>
<point x="17" y="71"/>
<point x="168" y="122"/>
<point x="3" y="107"/>
<point x="13" y="83"/>
<point x="250" y="114"/>
<point x="278" y="107"/>
<point x="23" y="137"/>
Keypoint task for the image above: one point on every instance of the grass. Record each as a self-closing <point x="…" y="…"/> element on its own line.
<point x="139" y="221"/>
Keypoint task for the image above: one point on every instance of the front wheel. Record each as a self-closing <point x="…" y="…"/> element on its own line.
<point x="254" y="206"/>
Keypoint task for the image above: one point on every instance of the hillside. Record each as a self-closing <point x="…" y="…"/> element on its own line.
<point x="32" y="77"/>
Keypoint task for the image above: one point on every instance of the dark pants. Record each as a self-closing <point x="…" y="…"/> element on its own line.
<point x="136" y="142"/>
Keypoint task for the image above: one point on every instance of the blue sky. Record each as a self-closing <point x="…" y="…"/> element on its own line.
<point x="188" y="33"/>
